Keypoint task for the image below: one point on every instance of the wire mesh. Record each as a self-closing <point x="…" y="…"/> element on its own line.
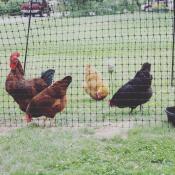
<point x="122" y="35"/>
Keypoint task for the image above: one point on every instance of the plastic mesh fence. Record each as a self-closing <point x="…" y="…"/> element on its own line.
<point x="122" y="35"/>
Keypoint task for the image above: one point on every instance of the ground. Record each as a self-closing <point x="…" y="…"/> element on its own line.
<point x="79" y="151"/>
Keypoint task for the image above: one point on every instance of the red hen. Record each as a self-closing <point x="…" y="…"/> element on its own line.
<point x="23" y="90"/>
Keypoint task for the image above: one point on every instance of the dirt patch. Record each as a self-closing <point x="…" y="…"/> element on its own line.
<point x="105" y="131"/>
<point x="119" y="129"/>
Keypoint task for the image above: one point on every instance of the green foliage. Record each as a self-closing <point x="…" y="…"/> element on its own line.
<point x="11" y="7"/>
<point x="100" y="7"/>
<point x="3" y="9"/>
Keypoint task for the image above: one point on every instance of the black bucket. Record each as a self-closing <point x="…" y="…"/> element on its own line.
<point x="170" y="111"/>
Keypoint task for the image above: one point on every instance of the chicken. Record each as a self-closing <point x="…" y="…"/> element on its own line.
<point x="135" y="92"/>
<point x="94" y="85"/>
<point x="50" y="101"/>
<point x="23" y="90"/>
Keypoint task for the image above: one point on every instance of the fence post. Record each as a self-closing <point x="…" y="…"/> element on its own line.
<point x="173" y="47"/>
<point x="27" y="39"/>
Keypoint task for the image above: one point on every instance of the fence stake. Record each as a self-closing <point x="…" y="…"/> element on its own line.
<point x="27" y="40"/>
<point x="173" y="46"/>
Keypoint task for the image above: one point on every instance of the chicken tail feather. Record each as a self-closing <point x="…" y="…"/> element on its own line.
<point x="48" y="75"/>
<point x="67" y="80"/>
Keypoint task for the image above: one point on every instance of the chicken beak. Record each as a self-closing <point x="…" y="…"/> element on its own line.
<point x="27" y="118"/>
<point x="110" y="104"/>
<point x="13" y="64"/>
<point x="98" y="95"/>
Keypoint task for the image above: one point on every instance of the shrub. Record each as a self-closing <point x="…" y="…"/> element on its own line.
<point x="13" y="7"/>
<point x="3" y="9"/>
<point x="100" y="7"/>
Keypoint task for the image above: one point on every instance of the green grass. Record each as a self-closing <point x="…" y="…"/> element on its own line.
<point x="52" y="151"/>
<point x="67" y="44"/>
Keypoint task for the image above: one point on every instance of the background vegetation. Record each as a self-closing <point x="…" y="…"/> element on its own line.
<point x="11" y="7"/>
<point x="79" y="7"/>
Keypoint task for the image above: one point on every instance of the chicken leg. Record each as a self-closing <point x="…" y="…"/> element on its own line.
<point x="141" y="108"/>
<point x="131" y="111"/>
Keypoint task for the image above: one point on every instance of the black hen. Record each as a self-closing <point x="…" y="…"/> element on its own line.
<point x="135" y="92"/>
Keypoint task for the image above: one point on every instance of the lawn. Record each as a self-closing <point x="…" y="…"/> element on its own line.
<point x="67" y="44"/>
<point x="80" y="151"/>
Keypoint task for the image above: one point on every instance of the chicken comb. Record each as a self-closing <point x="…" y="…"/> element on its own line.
<point x="15" y="54"/>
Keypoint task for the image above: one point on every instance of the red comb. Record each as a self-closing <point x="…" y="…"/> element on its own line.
<point x="15" y="54"/>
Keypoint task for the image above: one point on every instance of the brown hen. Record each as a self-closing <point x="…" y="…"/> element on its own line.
<point x="51" y="100"/>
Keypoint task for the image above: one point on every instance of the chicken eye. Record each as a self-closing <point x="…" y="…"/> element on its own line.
<point x="15" y="61"/>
